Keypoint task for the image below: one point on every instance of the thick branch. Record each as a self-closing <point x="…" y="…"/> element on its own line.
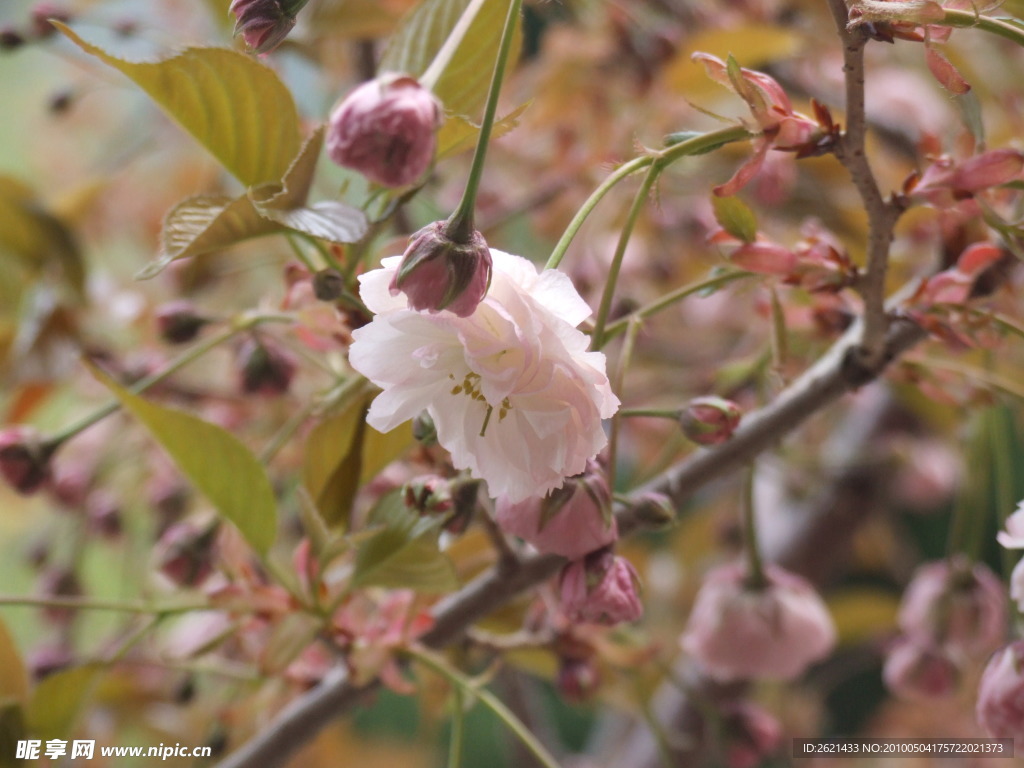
<point x="837" y="372"/>
<point x="882" y="215"/>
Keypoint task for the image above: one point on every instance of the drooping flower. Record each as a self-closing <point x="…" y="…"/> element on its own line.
<point x="957" y="606"/>
<point x="774" y="632"/>
<point x="571" y="521"/>
<point x="601" y="589"/>
<point x="438" y="273"/>
<point x="1000" y="709"/>
<point x="386" y="130"/>
<point x="514" y="394"/>
<point x="750" y="734"/>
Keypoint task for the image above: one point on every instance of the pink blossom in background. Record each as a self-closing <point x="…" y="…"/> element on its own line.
<point x="920" y="670"/>
<point x="571" y="521"/>
<point x="1000" y="709"/>
<point x="955" y="605"/>
<point x="601" y="589"/>
<point x="1013" y="536"/>
<point x="386" y="129"/>
<point x="514" y="394"/>
<point x="738" y="632"/>
<point x="751" y="734"/>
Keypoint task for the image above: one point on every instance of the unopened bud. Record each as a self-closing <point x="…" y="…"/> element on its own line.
<point x="654" y="510"/>
<point x="104" y="513"/>
<point x="438" y="273"/>
<point x="24" y="460"/>
<point x="263" y="24"/>
<point x="185" y="553"/>
<point x="710" y="420"/>
<point x="424" y="430"/>
<point x="428" y="495"/>
<point x="601" y="589"/>
<point x="10" y="38"/>
<point x="179" y="322"/>
<point x="266" y="369"/>
<point x="328" y="284"/>
<point x="386" y="129"/>
<point x="920" y="670"/>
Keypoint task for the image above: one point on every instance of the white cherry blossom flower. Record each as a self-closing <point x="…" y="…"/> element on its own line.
<point x="516" y="397"/>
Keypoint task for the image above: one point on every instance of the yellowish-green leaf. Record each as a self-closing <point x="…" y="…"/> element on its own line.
<point x="288" y="639"/>
<point x="404" y="553"/>
<point x="735" y="217"/>
<point x="12" y="730"/>
<point x="331" y="467"/>
<point x="452" y="46"/>
<point x="861" y="614"/>
<point x="13" y="678"/>
<point x="207" y="223"/>
<point x="58" y="699"/>
<point x="459" y="134"/>
<point x="35" y="236"/>
<point x="354" y="19"/>
<point x="232" y="104"/>
<point x="216" y="462"/>
<point x="382" y="448"/>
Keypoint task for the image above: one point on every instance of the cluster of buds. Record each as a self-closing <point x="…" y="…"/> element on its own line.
<point x="386" y="129"/>
<point x="951" y="611"/>
<point x="264" y="24"/>
<point x="771" y="631"/>
<point x="571" y="521"/>
<point x="781" y="128"/>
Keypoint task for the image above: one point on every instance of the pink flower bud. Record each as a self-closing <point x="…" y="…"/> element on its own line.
<point x="989" y="169"/>
<point x="438" y="273"/>
<point x="765" y="258"/>
<point x="710" y="420"/>
<point x="958" y="607"/>
<point x="263" y="24"/>
<point x="1000" y="709"/>
<point x="24" y="460"/>
<point x="919" y="670"/>
<point x="571" y="521"/>
<point x="429" y="495"/>
<point x="185" y="553"/>
<point x="386" y="130"/>
<point x="750" y="735"/>
<point x="600" y="589"/>
<point x="179" y="322"/>
<point x="265" y="368"/>
<point x="740" y="632"/>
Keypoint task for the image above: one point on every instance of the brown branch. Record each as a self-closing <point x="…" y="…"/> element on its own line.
<point x="837" y="372"/>
<point x="882" y="214"/>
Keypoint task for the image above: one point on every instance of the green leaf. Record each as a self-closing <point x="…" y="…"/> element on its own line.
<point x="58" y="699"/>
<point x="231" y="104"/>
<point x="35" y="236"/>
<point x="459" y="134"/>
<point x="13" y="678"/>
<point x="208" y="222"/>
<point x="735" y="217"/>
<point x="331" y="467"/>
<point x="452" y="47"/>
<point x="970" y="113"/>
<point x="404" y="553"/>
<point x="216" y="462"/>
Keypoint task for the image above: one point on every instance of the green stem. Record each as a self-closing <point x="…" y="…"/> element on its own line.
<point x="694" y="146"/>
<point x="177" y="364"/>
<point x="618" y="385"/>
<point x="654" y="413"/>
<point x="89" y="604"/>
<point x="489" y="700"/>
<point x="300" y="254"/>
<point x="455" y="740"/>
<point x="612" y="281"/>
<point x="964" y="19"/>
<point x="670" y="298"/>
<point x="460" y="224"/>
<point x="755" y="567"/>
<point x="325" y="253"/>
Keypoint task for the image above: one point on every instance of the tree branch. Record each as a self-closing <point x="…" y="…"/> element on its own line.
<point x="882" y="214"/>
